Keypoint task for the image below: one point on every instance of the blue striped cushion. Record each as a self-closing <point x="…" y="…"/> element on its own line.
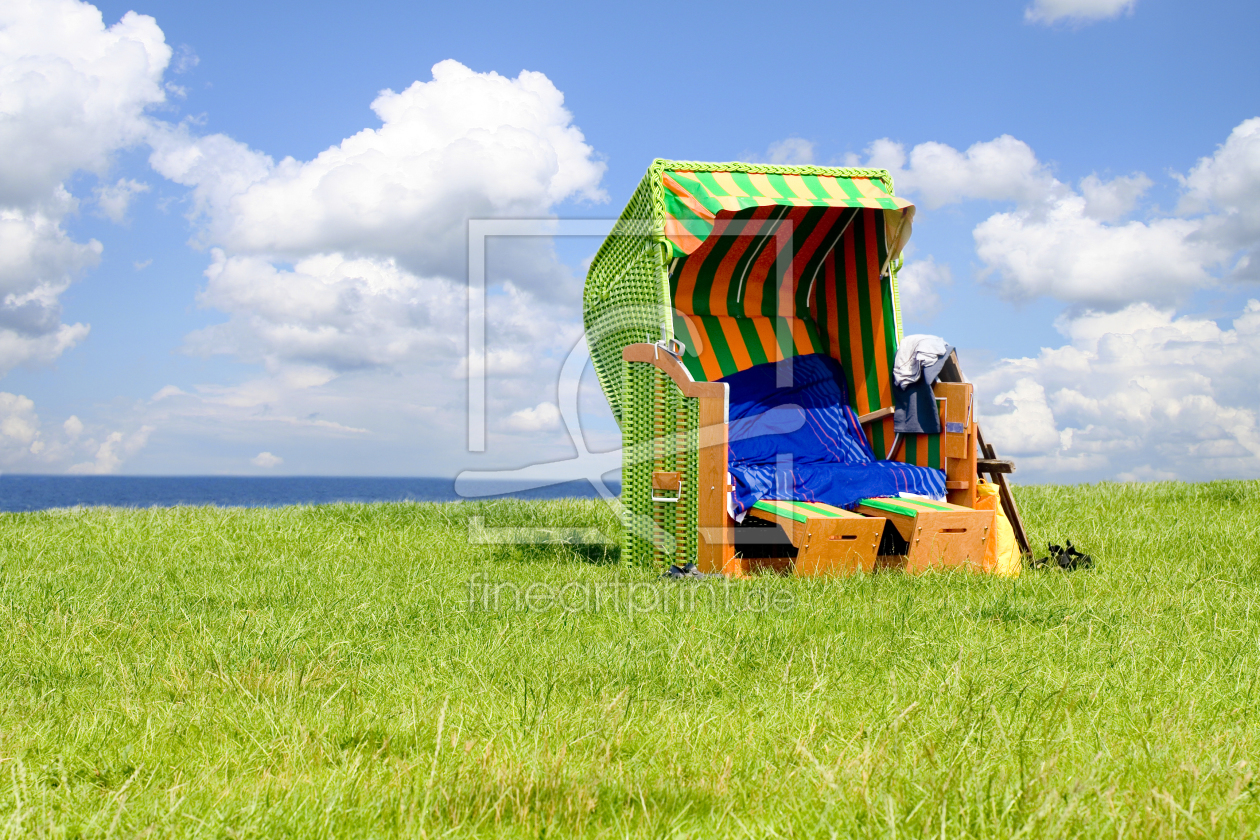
<point x="802" y="442"/>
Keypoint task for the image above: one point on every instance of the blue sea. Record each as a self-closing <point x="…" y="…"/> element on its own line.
<point x="40" y="492"/>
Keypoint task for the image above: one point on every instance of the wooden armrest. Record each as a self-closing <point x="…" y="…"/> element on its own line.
<point x="994" y="466"/>
<point x="661" y="358"/>
<point x="877" y="414"/>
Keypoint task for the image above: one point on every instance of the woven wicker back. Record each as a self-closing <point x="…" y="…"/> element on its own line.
<point x="625" y="300"/>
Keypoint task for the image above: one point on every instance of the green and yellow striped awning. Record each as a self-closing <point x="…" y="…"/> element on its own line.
<point x="694" y="200"/>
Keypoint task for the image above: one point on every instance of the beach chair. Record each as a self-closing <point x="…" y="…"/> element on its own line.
<point x="719" y="274"/>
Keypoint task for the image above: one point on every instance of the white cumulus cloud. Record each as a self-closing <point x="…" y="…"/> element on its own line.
<point x="1002" y="169"/>
<point x="215" y="166"/>
<point x="113" y="200"/>
<point x="1084" y="247"/>
<point x="1077" y="247"/>
<point x="1111" y="201"/>
<point x="792" y="150"/>
<point x="266" y="460"/>
<point x="1055" y="242"/>
<point x="345" y="275"/>
<point x="110" y="452"/>
<point x="535" y="419"/>
<point x="25" y="445"/>
<point x="338" y="315"/>
<point x="465" y="145"/>
<point x="38" y="261"/>
<point x="1227" y="186"/>
<point x="1137" y="393"/>
<point x="1077" y="11"/>
<point x="1064" y="253"/>
<point x="329" y="311"/>
<point x="19" y="429"/>
<point x="73" y="92"/>
<point x="919" y="286"/>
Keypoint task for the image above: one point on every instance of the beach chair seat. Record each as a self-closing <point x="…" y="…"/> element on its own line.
<point x="717" y="272"/>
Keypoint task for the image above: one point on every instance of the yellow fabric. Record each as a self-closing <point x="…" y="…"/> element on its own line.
<point x="1002" y="554"/>
<point x="897" y="225"/>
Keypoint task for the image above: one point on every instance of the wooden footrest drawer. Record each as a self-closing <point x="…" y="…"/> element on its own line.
<point x="939" y="535"/>
<point x="828" y="540"/>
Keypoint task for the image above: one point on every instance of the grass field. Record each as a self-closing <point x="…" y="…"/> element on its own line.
<point x="321" y="672"/>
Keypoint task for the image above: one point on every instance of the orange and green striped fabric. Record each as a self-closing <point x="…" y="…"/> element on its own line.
<point x="764" y="261"/>
<point x="751" y="293"/>
<point x="853" y="307"/>
<point x="693" y="200"/>
<point x="717" y="346"/>
<point x="727" y="305"/>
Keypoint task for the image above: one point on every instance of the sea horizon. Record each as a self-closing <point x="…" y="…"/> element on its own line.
<point x="27" y="492"/>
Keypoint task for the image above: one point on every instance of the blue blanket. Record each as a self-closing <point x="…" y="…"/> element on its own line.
<point x="803" y="442"/>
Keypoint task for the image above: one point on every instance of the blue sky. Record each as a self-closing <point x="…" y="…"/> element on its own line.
<point x="1087" y="177"/>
